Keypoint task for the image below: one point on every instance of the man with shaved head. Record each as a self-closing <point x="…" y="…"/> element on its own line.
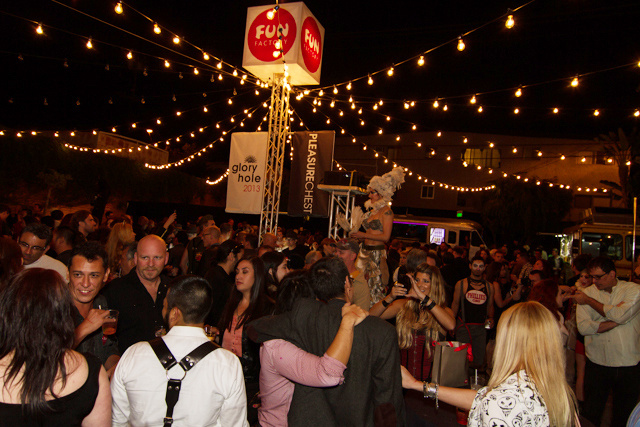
<point x="139" y="295"/>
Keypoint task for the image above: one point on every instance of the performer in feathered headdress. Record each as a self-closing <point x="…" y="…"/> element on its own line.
<point x="377" y="221"/>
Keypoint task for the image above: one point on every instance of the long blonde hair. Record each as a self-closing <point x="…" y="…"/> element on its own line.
<point x="528" y="339"/>
<point x="121" y="234"/>
<point x="411" y="318"/>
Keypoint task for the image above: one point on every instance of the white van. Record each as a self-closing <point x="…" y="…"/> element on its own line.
<point x="427" y="230"/>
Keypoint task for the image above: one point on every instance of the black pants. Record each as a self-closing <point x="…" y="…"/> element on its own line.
<point x="599" y="381"/>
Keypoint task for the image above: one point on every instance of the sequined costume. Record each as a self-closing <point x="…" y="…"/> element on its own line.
<point x="370" y="261"/>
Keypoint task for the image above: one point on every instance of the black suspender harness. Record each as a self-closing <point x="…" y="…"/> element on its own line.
<point x="168" y="361"/>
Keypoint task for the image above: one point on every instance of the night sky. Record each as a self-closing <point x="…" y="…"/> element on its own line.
<point x="551" y="42"/>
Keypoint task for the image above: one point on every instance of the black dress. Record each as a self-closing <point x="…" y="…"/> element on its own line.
<point x="67" y="411"/>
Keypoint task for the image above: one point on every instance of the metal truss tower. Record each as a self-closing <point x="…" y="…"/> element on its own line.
<point x="278" y="130"/>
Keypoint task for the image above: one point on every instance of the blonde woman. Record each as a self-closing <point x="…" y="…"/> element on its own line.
<point x="121" y="234"/>
<point x="421" y="318"/>
<point x="527" y="385"/>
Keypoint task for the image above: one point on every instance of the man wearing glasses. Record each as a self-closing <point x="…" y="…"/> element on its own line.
<point x="607" y="316"/>
<point x="34" y="242"/>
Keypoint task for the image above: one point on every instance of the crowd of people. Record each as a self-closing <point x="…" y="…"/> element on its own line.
<point x="308" y="330"/>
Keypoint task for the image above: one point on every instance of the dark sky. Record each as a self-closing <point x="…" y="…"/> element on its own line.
<point x="551" y="42"/>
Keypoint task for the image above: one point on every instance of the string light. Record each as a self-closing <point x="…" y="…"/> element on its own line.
<point x="129" y="55"/>
<point x="518" y="92"/>
<point x="176" y="40"/>
<point x="596" y="113"/>
<point x="390" y="72"/>
<point x="461" y="44"/>
<point x="556" y="110"/>
<point x="156" y="28"/>
<point x="39" y="29"/>
<point x="118" y="8"/>
<point x="510" y="22"/>
<point x="421" y="61"/>
<point x="370" y="80"/>
<point x="89" y="44"/>
<point x="473" y="100"/>
<point x="166" y="63"/>
<point x="575" y="82"/>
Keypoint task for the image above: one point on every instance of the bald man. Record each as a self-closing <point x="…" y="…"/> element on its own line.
<point x="269" y="239"/>
<point x="139" y="295"/>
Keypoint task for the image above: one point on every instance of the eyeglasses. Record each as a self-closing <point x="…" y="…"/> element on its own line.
<point x="26" y="246"/>
<point x="598" y="276"/>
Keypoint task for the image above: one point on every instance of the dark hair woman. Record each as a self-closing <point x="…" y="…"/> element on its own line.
<point x="42" y="379"/>
<point x="275" y="265"/>
<point x="248" y="301"/>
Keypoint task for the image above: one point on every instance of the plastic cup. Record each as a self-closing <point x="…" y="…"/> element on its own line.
<point x="111" y="323"/>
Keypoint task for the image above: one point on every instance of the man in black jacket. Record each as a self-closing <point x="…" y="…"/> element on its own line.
<point x="372" y="389"/>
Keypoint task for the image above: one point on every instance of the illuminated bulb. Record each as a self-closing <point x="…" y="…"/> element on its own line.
<point x="149" y="131"/>
<point x="436" y="104"/>
<point x="230" y="101"/>
<point x="596" y="113"/>
<point x="390" y="72"/>
<point x="539" y="153"/>
<point x="562" y="157"/>
<point x="360" y="111"/>
<point x="515" y="150"/>
<point x="519" y="92"/>
<point x="609" y="160"/>
<point x="380" y="102"/>
<point x="219" y="65"/>
<point x="129" y="55"/>
<point x="480" y="109"/>
<point x="219" y="76"/>
<point x="414" y="127"/>
<point x="386" y="160"/>
<point x="516" y="111"/>
<point x="178" y="113"/>
<point x="166" y="63"/>
<point x="461" y="45"/>
<point x="349" y="86"/>
<point x="398" y="138"/>
<point x="112" y="130"/>
<point x="421" y="61"/>
<point x="133" y="125"/>
<point x="271" y="14"/>
<point x="370" y="80"/>
<point x="584" y="159"/>
<point x="380" y="131"/>
<point x="118" y="8"/>
<point x="445" y="107"/>
<point x="156" y="28"/>
<point x="406" y="105"/>
<point x="205" y="55"/>
<point x="388" y="118"/>
<point x="176" y="40"/>
<point x="33" y="132"/>
<point x="491" y="145"/>
<point x="235" y="73"/>
<point x="277" y="44"/>
<point x="636" y="113"/>
<point x="195" y="71"/>
<point x="439" y="134"/>
<point x="39" y="29"/>
<point x="73" y="134"/>
<point x="89" y="44"/>
<point x="448" y="158"/>
<point x="472" y="100"/>
<point x="376" y="155"/>
<point x="465" y="140"/>
<point x="628" y="163"/>
<point x="276" y="53"/>
<point x="575" y="82"/>
<point x="555" y="110"/>
<point x="321" y="93"/>
<point x="510" y="22"/>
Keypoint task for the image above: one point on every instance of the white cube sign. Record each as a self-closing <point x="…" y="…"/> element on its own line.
<point x="288" y="30"/>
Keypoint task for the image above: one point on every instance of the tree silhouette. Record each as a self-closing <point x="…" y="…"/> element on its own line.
<point x="623" y="150"/>
<point x="52" y="179"/>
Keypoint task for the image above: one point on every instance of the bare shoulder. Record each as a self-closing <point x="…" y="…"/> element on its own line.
<point x="387" y="211"/>
<point x="77" y="373"/>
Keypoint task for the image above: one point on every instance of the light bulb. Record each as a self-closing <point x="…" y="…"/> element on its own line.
<point x="575" y="82"/>
<point x="205" y="55"/>
<point x="277" y="44"/>
<point x="480" y="109"/>
<point x="370" y="81"/>
<point x="158" y="121"/>
<point x="390" y="72"/>
<point x="89" y="44"/>
<point x="596" y="113"/>
<point x="129" y="55"/>
<point x="271" y="14"/>
<point x="118" y="8"/>
<point x="519" y="92"/>
<point x="39" y="29"/>
<point x="436" y="104"/>
<point x="166" y="63"/>
<point x="515" y="150"/>
<point x="562" y="157"/>
<point x="421" y="61"/>
<point x="461" y="45"/>
<point x="516" y="111"/>
<point x="335" y="90"/>
<point x="556" y="110"/>
<point x="176" y="40"/>
<point x="636" y="113"/>
<point x="349" y="86"/>
<point x="156" y="28"/>
<point x="195" y="71"/>
<point x="473" y="100"/>
<point x="510" y="22"/>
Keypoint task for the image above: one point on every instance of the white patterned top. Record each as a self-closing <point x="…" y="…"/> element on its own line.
<point x="516" y="402"/>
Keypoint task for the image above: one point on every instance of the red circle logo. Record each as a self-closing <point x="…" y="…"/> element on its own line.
<point x="311" y="44"/>
<point x="265" y="32"/>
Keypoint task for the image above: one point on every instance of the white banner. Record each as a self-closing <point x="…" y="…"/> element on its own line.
<point x="247" y="161"/>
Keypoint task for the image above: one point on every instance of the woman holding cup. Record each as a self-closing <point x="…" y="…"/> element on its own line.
<point x="527" y="384"/>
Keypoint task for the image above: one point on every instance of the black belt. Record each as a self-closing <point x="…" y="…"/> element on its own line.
<point x="168" y="361"/>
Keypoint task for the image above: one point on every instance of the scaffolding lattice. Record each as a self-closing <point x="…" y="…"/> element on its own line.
<point x="343" y="199"/>
<point x="278" y="129"/>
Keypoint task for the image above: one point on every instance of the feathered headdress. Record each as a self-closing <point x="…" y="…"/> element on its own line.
<point x="388" y="183"/>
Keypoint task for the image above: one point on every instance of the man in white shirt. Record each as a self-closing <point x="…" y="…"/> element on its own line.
<point x="212" y="392"/>
<point x="34" y="242"/>
<point x="608" y="318"/>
